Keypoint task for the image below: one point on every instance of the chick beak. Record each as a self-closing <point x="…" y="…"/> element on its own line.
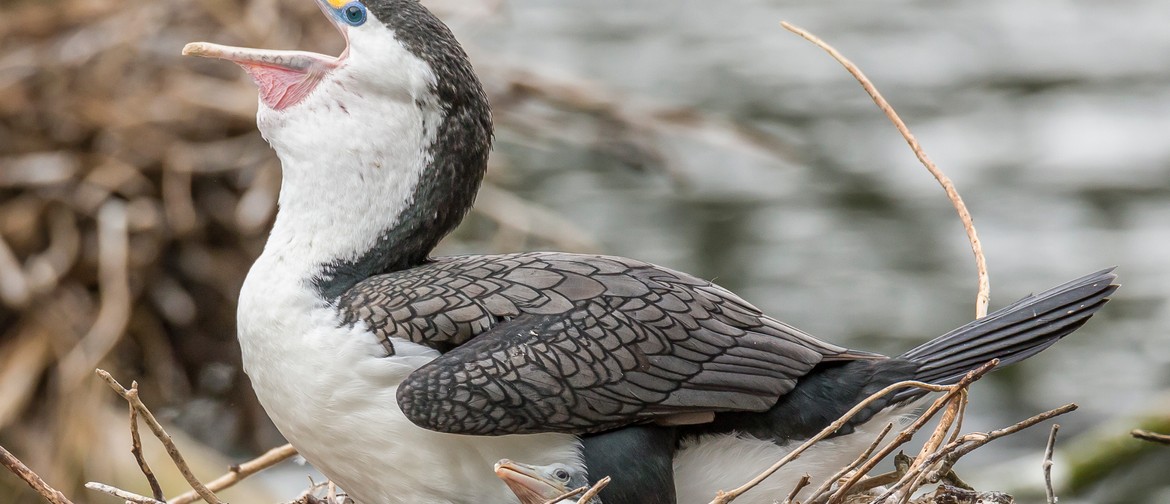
<point x="525" y="481"/>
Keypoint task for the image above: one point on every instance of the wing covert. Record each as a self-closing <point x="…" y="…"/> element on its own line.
<point x="559" y="342"/>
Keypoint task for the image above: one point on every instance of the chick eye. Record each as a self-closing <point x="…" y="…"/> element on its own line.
<point x="355" y="14"/>
<point x="561" y="474"/>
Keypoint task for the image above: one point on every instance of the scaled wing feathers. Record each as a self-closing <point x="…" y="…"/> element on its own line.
<point x="545" y="342"/>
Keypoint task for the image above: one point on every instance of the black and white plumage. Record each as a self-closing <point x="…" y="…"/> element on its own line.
<point x="376" y="361"/>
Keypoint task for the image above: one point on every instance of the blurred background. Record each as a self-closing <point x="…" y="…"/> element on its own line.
<point x="135" y="191"/>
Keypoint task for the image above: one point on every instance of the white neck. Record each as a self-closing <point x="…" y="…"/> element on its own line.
<point x="351" y="156"/>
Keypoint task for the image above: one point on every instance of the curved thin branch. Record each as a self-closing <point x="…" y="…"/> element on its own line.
<point x="984" y="295"/>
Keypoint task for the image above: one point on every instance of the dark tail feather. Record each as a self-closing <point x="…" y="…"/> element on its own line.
<point x="1011" y="334"/>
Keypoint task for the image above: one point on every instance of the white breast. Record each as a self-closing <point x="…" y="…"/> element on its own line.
<point x="330" y="392"/>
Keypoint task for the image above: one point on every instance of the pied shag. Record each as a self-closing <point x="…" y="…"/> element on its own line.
<point x="403" y="377"/>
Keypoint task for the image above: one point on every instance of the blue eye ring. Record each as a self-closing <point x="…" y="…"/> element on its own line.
<point x="354" y="13"/>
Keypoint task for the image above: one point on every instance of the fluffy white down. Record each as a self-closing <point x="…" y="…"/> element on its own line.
<point x="328" y="388"/>
<point x="709" y="464"/>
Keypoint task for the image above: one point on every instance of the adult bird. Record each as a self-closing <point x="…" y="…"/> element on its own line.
<point x="403" y="378"/>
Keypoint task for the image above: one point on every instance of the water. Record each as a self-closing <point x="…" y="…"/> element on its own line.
<point x="1052" y="117"/>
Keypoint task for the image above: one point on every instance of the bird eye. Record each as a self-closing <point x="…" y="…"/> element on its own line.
<point x="355" y="14"/>
<point x="561" y="474"/>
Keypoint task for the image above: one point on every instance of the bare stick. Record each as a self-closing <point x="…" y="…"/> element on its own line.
<point x="571" y="493"/>
<point x="725" y="497"/>
<point x="984" y="295"/>
<point x="1150" y="436"/>
<point x="1048" y="491"/>
<point x="820" y="491"/>
<point x="239" y="472"/>
<point x="912" y="479"/>
<point x="946" y="457"/>
<point x="968" y="443"/>
<point x="136" y="447"/>
<point x="162" y="436"/>
<point x="868" y="484"/>
<point x="908" y="432"/>
<point x="122" y="494"/>
<point x="959" y="421"/>
<point x="594" y="490"/>
<point x="18" y="468"/>
<point x="804" y="481"/>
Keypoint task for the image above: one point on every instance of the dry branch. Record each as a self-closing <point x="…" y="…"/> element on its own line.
<point x="593" y="490"/>
<point x="865" y="454"/>
<point x="1049" y="493"/>
<point x="122" y="494"/>
<point x="1150" y="436"/>
<point x="18" y="468"/>
<point x="162" y="436"/>
<point x="804" y="481"/>
<point x="984" y="294"/>
<point x="907" y="433"/>
<point x="241" y="471"/>
<point x="136" y="446"/>
<point x="571" y="493"/>
<point x="970" y="442"/>
<point x="950" y="391"/>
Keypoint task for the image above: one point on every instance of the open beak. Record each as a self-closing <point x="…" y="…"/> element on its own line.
<point x="284" y="77"/>
<point x="526" y="482"/>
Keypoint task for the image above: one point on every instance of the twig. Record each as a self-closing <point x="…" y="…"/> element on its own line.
<point x="310" y="494"/>
<point x="594" y="490"/>
<point x="946" y="457"/>
<point x="122" y="494"/>
<point x="909" y="432"/>
<point x="162" y="436"/>
<point x="725" y="497"/>
<point x="968" y="443"/>
<point x="1048" y="491"/>
<point x="136" y="446"/>
<point x="984" y="295"/>
<point x="571" y="493"/>
<point x="821" y="490"/>
<point x="18" y="468"/>
<point x="804" y="481"/>
<point x="239" y="472"/>
<point x="959" y="421"/>
<point x="912" y="476"/>
<point x="873" y="482"/>
<point x="1154" y="437"/>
